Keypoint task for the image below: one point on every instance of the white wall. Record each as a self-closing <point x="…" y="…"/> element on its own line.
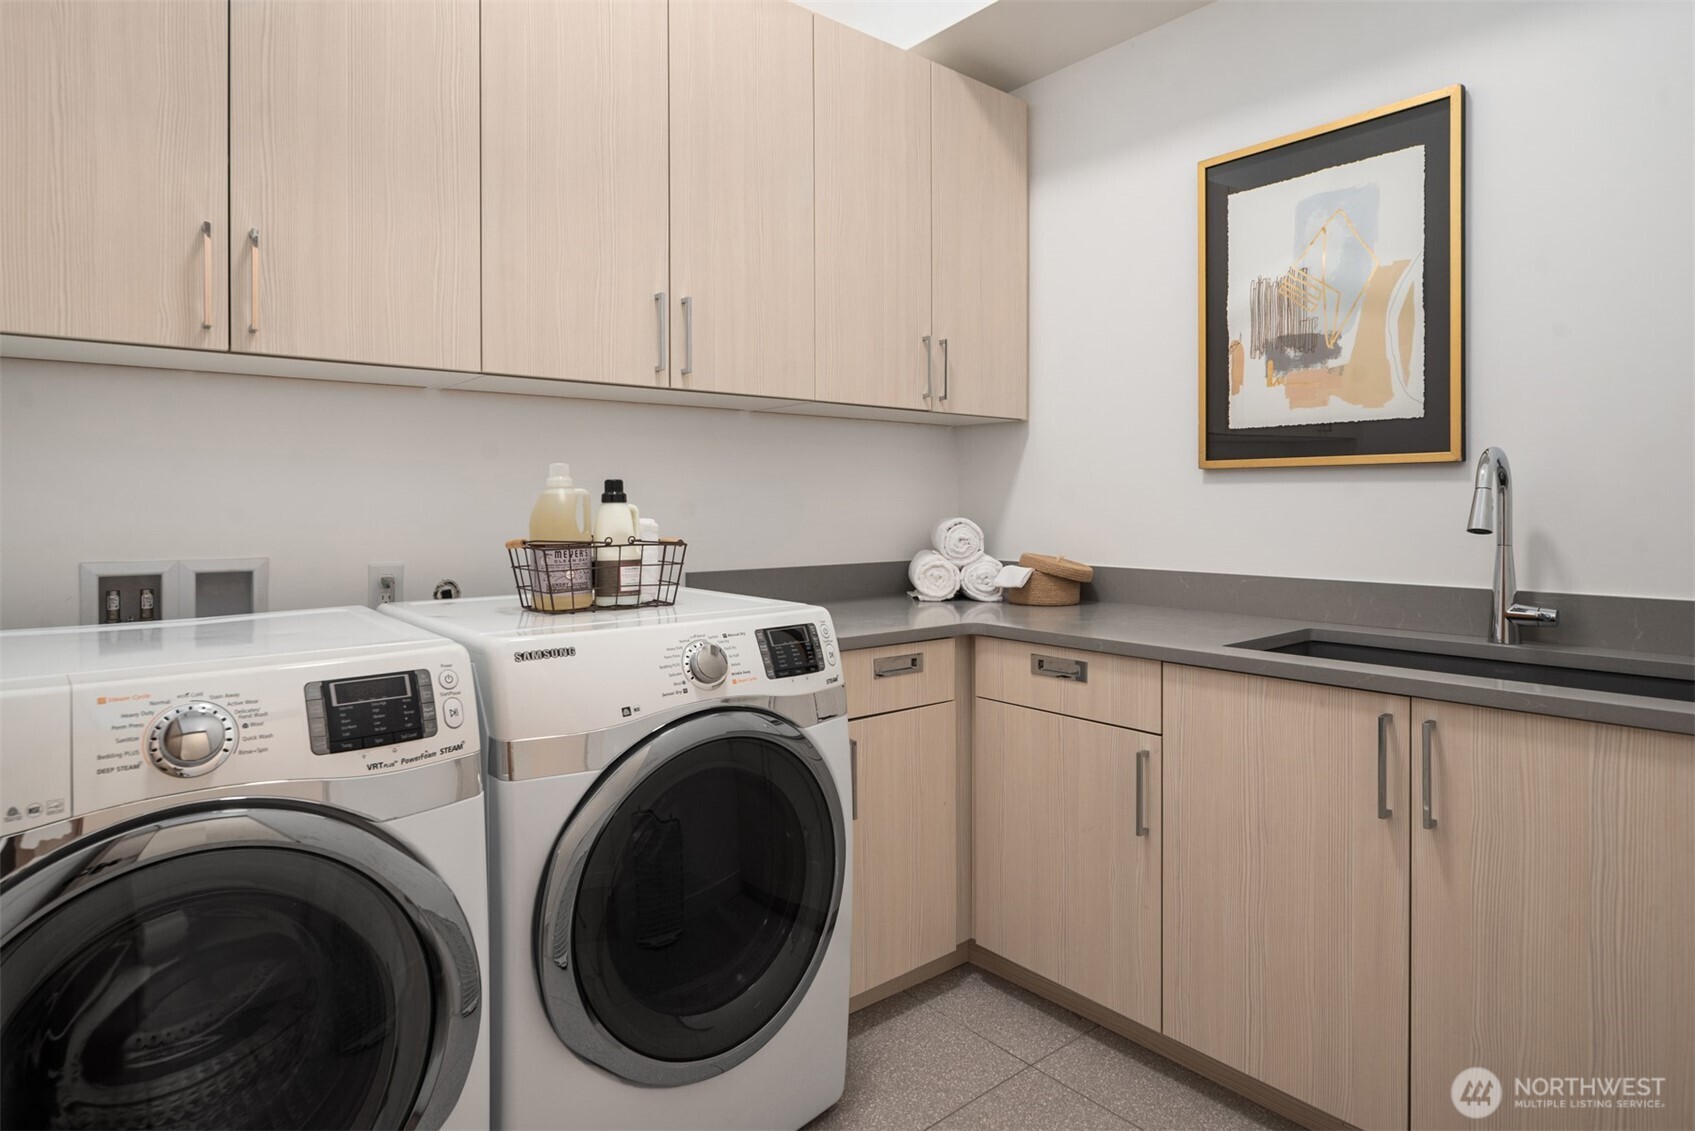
<point x="101" y="463"/>
<point x="1581" y="258"/>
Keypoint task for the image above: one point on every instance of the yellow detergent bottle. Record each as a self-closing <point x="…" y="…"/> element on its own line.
<point x="564" y="576"/>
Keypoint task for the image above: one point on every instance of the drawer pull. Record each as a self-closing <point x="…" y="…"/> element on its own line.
<point x="1141" y="793"/>
<point x="1058" y="667"/>
<point x="910" y="664"/>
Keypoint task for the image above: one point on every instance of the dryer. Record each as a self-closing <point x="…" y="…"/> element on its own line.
<point x="670" y="798"/>
<point x="242" y="876"/>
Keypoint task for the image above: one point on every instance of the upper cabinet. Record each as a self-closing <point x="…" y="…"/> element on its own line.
<point x="113" y="198"/>
<point x="574" y="207"/>
<point x="872" y="116"/>
<point x="741" y="197"/>
<point x="979" y="175"/>
<point x="353" y="181"/>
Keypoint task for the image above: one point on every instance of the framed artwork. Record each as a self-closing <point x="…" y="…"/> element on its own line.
<point x="1331" y="287"/>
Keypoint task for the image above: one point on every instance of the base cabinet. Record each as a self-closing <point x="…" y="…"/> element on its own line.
<point x="905" y="843"/>
<point x="1066" y="852"/>
<point x="1553" y="928"/>
<point x="1286" y="886"/>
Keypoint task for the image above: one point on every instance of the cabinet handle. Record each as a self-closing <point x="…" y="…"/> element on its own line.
<point x="944" y="369"/>
<point x="1383" y="721"/>
<point x="910" y="664"/>
<point x="688" y="336"/>
<point x="205" y="274"/>
<point x="1058" y="667"/>
<point x="253" y="281"/>
<point x="1429" y="731"/>
<point x="929" y="369"/>
<point x="853" y="775"/>
<point x="662" y="315"/>
<point x="1141" y="793"/>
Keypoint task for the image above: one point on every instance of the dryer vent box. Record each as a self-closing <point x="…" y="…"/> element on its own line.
<point x="209" y="587"/>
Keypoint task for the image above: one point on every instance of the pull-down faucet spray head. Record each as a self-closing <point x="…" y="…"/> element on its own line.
<point x="1491" y="477"/>
<point x="1482" y="520"/>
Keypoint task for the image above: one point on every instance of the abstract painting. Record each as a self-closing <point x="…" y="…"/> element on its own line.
<point x="1331" y="293"/>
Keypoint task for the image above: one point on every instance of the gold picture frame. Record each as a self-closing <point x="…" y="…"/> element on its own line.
<point x="1428" y="438"/>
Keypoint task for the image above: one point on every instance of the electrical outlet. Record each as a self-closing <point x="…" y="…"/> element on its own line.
<point x="385" y="582"/>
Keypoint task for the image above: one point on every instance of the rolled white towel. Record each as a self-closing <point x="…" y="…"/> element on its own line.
<point x="959" y="540"/>
<point x="933" y="577"/>
<point x="977" y="578"/>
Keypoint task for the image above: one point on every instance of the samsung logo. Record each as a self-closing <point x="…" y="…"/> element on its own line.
<point x="543" y="654"/>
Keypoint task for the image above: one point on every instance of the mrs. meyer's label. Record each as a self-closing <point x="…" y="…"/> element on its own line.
<point x="568" y="569"/>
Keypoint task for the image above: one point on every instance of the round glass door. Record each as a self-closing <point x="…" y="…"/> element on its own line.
<point x="235" y="986"/>
<point x="702" y="882"/>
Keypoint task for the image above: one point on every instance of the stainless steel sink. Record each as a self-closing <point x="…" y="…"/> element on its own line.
<point x="1653" y="678"/>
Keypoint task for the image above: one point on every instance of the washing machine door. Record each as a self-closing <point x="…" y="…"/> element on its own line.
<point x="691" y="898"/>
<point x="260" y="966"/>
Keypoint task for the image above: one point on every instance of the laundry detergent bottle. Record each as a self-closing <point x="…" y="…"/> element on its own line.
<point x="564" y="575"/>
<point x="617" y="564"/>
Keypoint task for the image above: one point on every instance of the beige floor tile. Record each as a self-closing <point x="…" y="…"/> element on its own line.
<point x="1150" y="1091"/>
<point x="1018" y="1021"/>
<point x="1031" y="1100"/>
<point x="909" y="1065"/>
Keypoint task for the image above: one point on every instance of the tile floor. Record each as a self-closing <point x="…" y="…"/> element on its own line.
<point x="969" y="1050"/>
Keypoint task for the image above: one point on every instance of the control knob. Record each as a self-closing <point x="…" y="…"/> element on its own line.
<point x="191" y="739"/>
<point x="706" y="663"/>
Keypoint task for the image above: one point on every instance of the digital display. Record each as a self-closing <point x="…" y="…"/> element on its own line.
<point x="371" y="690"/>
<point x="789" y="651"/>
<point x="795" y="635"/>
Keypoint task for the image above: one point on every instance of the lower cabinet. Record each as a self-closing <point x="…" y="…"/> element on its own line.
<point x="905" y="842"/>
<point x="1553" y="938"/>
<point x="1066" y="852"/>
<point x="1287" y="886"/>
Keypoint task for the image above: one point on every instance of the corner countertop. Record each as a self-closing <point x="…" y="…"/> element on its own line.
<point x="1204" y="639"/>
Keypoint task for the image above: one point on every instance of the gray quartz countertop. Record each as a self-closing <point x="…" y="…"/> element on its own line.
<point x="1204" y="639"/>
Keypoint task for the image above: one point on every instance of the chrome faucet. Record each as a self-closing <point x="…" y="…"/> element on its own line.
<point x="1494" y="482"/>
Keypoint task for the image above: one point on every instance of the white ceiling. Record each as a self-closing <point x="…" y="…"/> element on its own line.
<point x="1009" y="43"/>
<point x="900" y="22"/>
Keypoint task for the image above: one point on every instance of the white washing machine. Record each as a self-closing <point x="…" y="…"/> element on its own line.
<point x="670" y="797"/>
<point x="242" y="876"/>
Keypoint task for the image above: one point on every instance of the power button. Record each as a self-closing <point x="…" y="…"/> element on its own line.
<point x="449" y="679"/>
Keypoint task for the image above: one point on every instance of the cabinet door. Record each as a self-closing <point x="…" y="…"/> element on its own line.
<point x="1553" y="912"/>
<point x="113" y="190"/>
<point x="1064" y="885"/>
<point x="353" y="152"/>
<point x="872" y="117"/>
<point x="905" y="843"/>
<point x="1286" y="892"/>
<point x="574" y="206"/>
<point x="741" y="197"/>
<point x="980" y="185"/>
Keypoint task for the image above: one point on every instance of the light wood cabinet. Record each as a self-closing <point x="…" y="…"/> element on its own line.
<point x="742" y="197"/>
<point x="981" y="205"/>
<point x="906" y="843"/>
<point x="1286" y="890"/>
<point x="353" y="153"/>
<point x="1121" y="690"/>
<point x="1066" y="844"/>
<point x="113" y="189"/>
<point x="898" y="676"/>
<point x="574" y="182"/>
<point x="872" y="117"/>
<point x="1553" y="912"/>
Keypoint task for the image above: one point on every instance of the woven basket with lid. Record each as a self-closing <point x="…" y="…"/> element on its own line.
<point x="1057" y="581"/>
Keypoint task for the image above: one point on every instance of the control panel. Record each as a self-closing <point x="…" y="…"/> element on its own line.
<point x="789" y="651"/>
<point x="381" y="710"/>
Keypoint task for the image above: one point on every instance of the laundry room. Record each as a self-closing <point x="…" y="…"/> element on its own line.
<point x="748" y="564"/>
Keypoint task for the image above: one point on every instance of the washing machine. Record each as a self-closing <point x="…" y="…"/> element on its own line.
<point x="670" y="803"/>
<point x="242" y="876"/>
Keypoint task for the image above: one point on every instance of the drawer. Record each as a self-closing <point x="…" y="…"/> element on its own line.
<point x="898" y="676"/>
<point x="1119" y="690"/>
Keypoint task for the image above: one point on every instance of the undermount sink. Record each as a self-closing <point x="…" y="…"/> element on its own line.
<point x="1653" y="678"/>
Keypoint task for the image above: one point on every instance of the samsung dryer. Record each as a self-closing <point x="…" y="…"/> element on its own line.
<point x="244" y="876"/>
<point x="670" y="797"/>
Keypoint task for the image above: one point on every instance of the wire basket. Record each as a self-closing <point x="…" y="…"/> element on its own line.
<point x="571" y="577"/>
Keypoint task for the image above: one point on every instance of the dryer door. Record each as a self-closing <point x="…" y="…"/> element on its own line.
<point x="692" y="897"/>
<point x="260" y="966"/>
